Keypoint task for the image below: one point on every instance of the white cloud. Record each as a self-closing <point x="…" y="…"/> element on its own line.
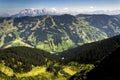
<point x="32" y="8"/>
<point x="65" y="8"/>
<point x="91" y="7"/>
<point x="54" y="9"/>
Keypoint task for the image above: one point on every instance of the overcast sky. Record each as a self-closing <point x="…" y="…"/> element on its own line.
<point x="13" y="6"/>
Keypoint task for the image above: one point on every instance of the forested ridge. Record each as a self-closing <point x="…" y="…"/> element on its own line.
<point x="21" y="59"/>
<point x="107" y="69"/>
<point x="92" y="52"/>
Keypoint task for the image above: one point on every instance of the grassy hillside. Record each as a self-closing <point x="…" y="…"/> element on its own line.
<point x="50" y="33"/>
<point x="58" y="32"/>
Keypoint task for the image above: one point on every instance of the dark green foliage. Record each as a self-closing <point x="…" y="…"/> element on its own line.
<point x="65" y="19"/>
<point x="21" y="59"/>
<point x="92" y="52"/>
<point x="108" y="69"/>
<point x="78" y="76"/>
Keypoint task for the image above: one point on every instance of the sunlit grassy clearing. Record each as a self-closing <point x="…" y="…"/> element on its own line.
<point x="17" y="42"/>
<point x="34" y="72"/>
<point x="6" y="70"/>
<point x="69" y="71"/>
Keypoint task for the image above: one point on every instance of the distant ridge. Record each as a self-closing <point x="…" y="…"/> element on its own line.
<point x="54" y="11"/>
<point x="34" y="12"/>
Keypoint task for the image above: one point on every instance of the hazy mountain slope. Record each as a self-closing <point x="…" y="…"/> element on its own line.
<point x="110" y="24"/>
<point x="51" y="33"/>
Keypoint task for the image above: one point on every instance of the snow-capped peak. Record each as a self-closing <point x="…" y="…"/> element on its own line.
<point x="34" y="12"/>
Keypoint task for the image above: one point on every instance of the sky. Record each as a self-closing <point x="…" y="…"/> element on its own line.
<point x="14" y="6"/>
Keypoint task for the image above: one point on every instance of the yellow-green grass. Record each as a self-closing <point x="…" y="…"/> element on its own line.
<point x="17" y="41"/>
<point x="41" y="71"/>
<point x="34" y="72"/>
<point x="68" y="70"/>
<point x="6" y="70"/>
<point x="71" y="70"/>
<point x="61" y="78"/>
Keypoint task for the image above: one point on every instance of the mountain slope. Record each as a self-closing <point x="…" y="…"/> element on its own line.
<point x="103" y="54"/>
<point x="106" y="23"/>
<point x="108" y="69"/>
<point x="91" y="53"/>
<point x="51" y="33"/>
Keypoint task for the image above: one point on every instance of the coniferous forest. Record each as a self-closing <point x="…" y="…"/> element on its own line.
<point x="73" y="64"/>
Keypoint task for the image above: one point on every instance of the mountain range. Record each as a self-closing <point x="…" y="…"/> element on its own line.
<point x="34" y="12"/>
<point x="44" y="11"/>
<point x="56" y="33"/>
